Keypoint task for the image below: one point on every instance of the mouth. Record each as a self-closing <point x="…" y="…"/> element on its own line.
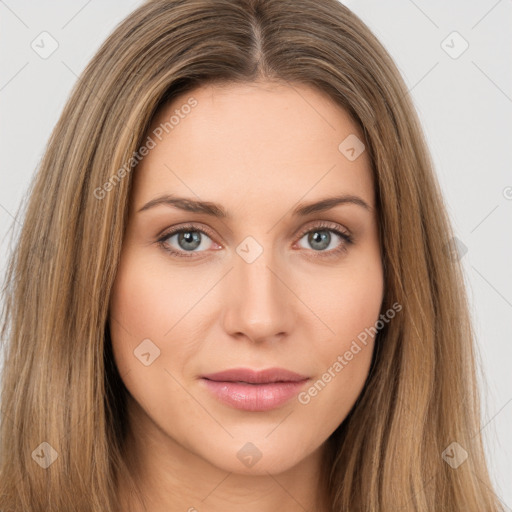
<point x="252" y="390"/>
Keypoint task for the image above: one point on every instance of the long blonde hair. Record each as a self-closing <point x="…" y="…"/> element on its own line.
<point x="59" y="383"/>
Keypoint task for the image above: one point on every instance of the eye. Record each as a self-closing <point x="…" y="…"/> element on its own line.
<point x="320" y="238"/>
<point x="187" y="239"/>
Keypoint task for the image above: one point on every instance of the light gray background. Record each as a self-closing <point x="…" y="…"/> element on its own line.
<point x="465" y="105"/>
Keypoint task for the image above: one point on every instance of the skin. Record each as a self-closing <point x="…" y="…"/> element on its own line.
<point x="258" y="150"/>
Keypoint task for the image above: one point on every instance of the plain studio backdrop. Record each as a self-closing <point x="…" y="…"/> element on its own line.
<point x="455" y="58"/>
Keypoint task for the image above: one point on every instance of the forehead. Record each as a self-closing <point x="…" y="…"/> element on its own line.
<point x="243" y="143"/>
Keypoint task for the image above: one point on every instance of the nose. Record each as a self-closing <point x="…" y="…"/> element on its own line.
<point x="259" y="305"/>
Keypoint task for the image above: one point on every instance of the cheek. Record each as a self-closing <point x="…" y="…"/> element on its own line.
<point x="153" y="310"/>
<point x="348" y="301"/>
<point x="358" y="306"/>
<point x="147" y="302"/>
<point x="148" y="299"/>
<point x="141" y="308"/>
<point x="350" y="307"/>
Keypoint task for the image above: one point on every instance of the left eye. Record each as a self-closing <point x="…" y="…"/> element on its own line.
<point x="321" y="239"/>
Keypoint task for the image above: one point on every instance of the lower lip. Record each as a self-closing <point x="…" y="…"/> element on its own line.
<point x="254" y="397"/>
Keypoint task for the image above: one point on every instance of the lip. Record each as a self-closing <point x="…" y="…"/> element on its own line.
<point x="253" y="390"/>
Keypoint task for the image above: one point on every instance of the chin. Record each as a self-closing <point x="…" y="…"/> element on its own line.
<point x="258" y="457"/>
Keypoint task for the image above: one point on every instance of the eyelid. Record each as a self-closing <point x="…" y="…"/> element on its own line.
<point x="319" y="224"/>
<point x="191" y="226"/>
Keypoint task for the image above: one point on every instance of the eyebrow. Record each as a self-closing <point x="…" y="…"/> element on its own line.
<point x="216" y="210"/>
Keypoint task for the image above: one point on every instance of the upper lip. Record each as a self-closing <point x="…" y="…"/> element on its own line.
<point x="255" y="376"/>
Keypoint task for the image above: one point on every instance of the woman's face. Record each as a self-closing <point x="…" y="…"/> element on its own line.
<point x="257" y="279"/>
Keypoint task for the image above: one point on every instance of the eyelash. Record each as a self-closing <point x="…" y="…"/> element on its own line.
<point x="321" y="226"/>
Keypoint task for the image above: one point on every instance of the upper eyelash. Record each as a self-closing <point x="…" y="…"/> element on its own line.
<point x="322" y="225"/>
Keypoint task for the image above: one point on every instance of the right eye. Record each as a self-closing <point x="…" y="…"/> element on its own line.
<point x="187" y="240"/>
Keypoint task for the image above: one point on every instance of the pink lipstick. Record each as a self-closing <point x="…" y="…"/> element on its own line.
<point x="252" y="390"/>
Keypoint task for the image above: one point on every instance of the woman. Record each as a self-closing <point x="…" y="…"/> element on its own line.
<point x="234" y="286"/>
